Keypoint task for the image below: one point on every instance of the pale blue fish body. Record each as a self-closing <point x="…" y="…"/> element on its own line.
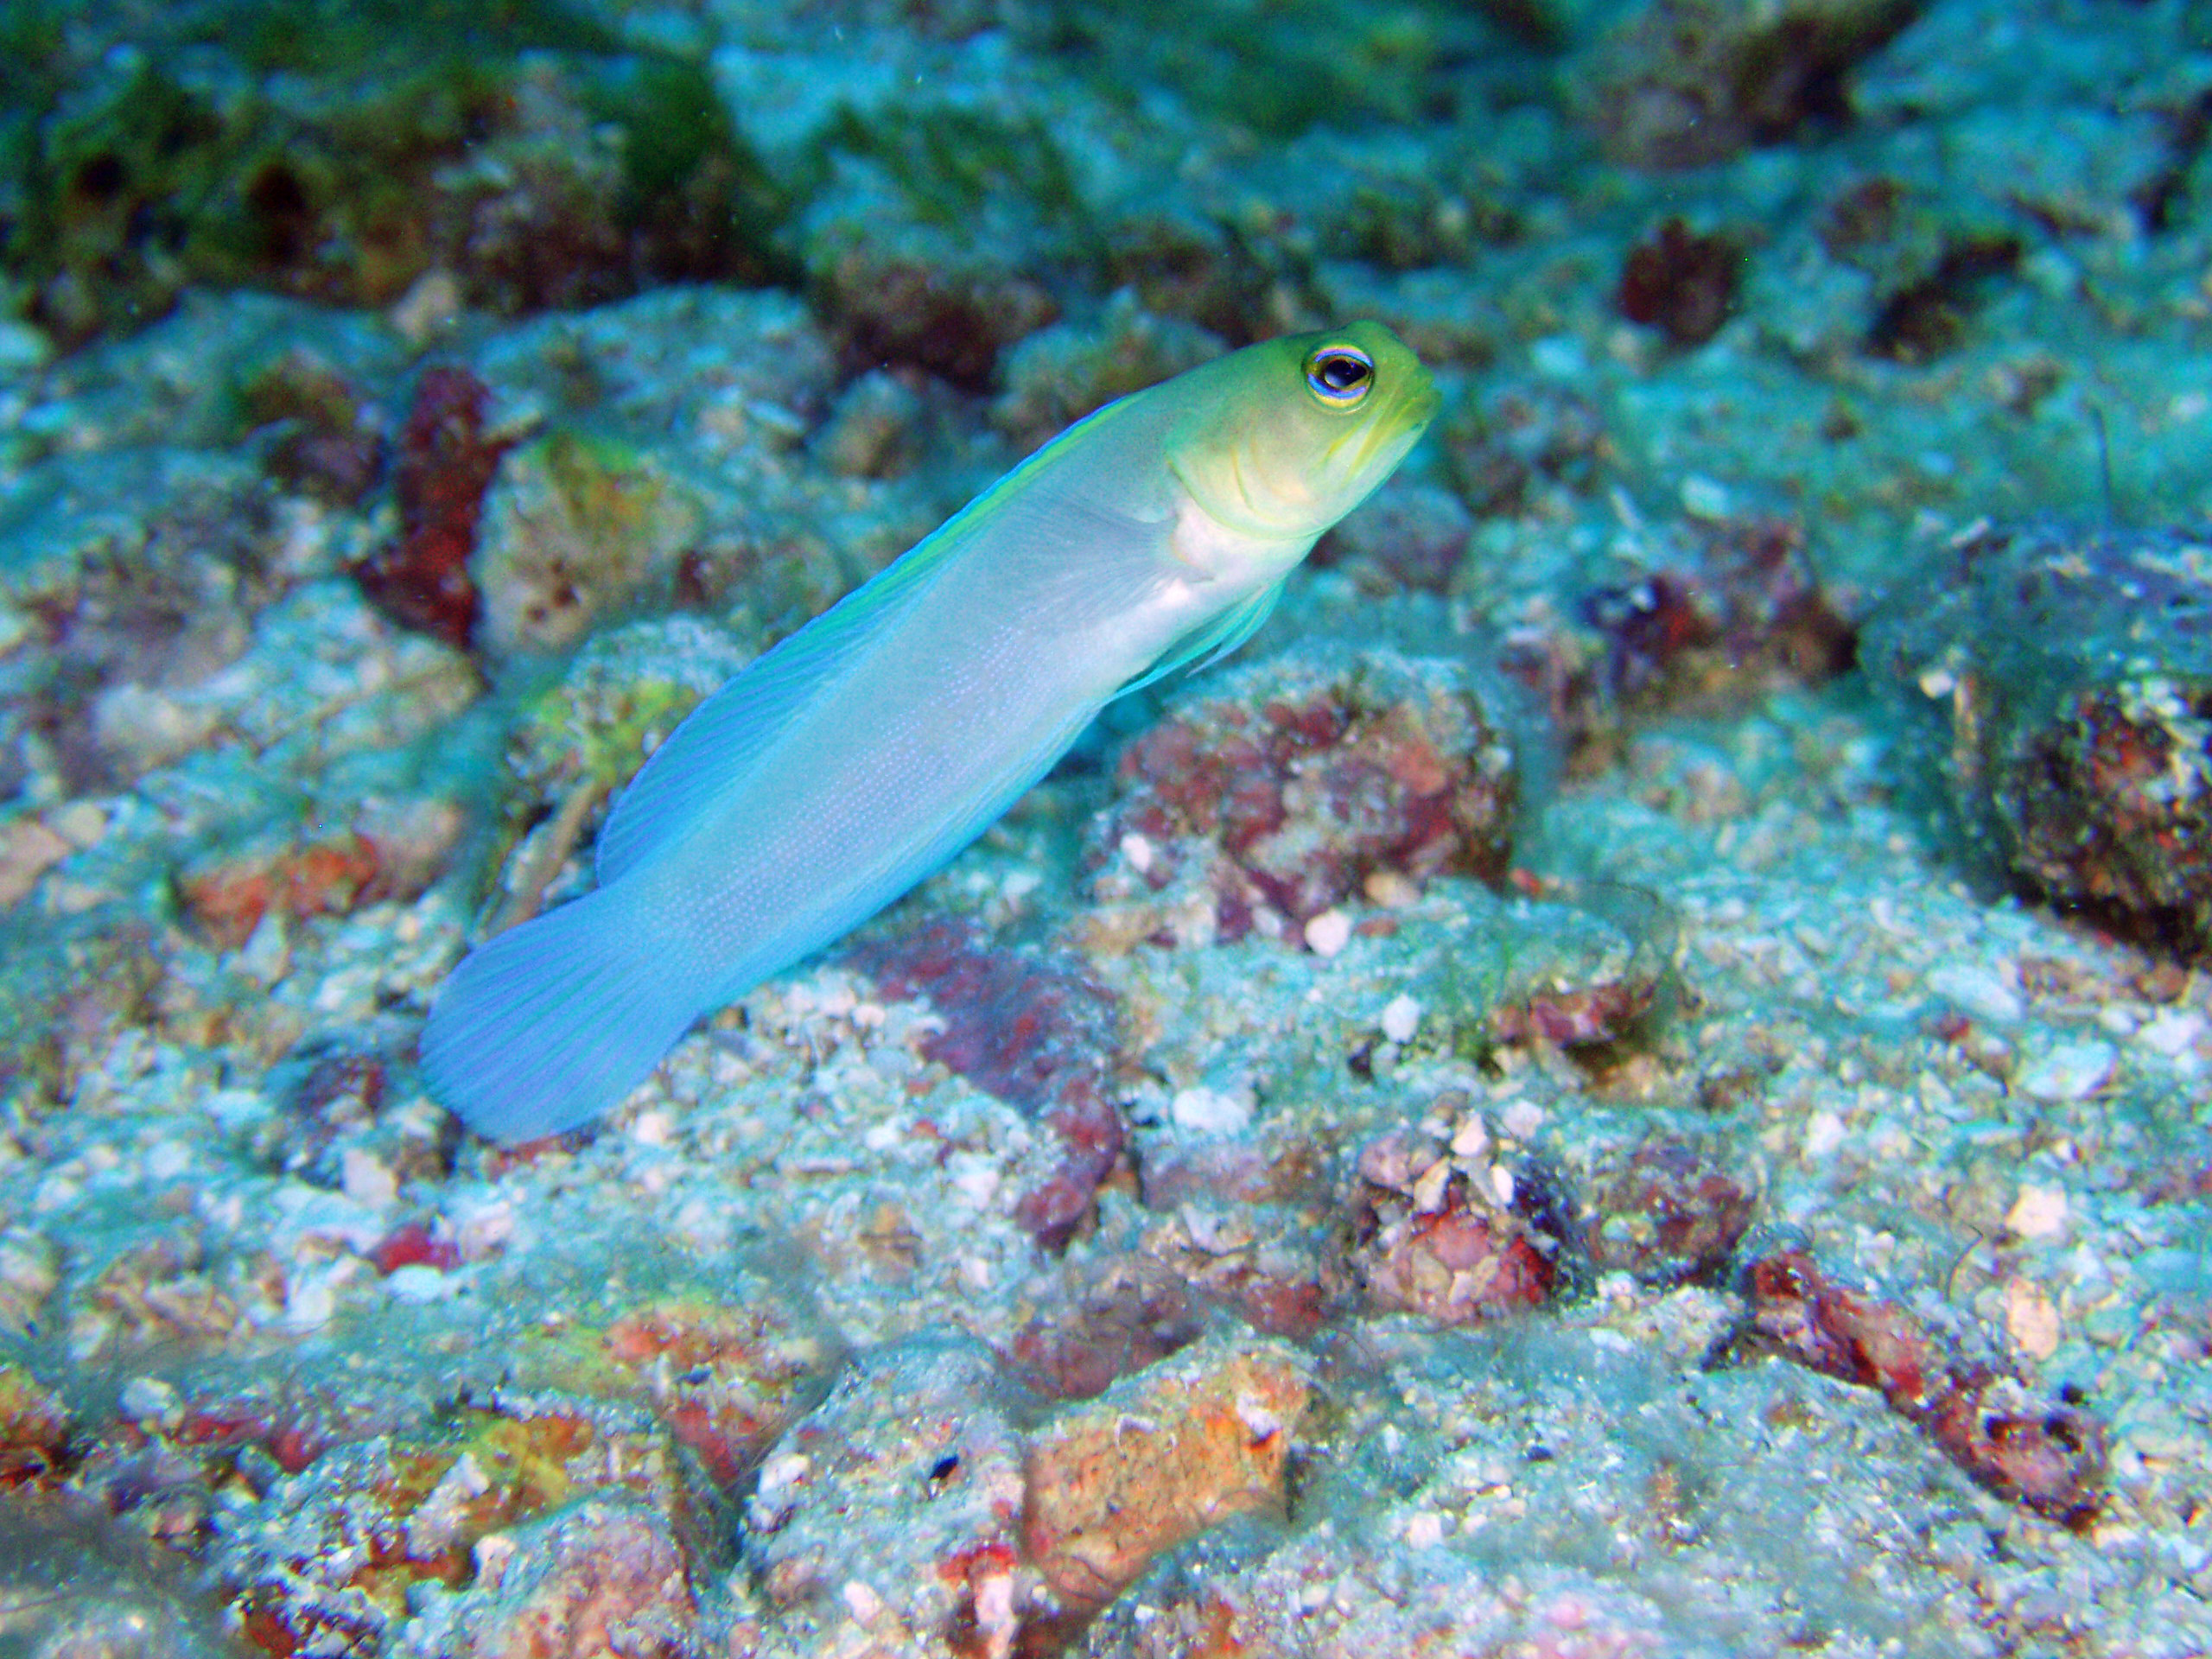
<point x="844" y="764"/>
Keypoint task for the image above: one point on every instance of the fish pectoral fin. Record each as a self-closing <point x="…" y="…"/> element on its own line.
<point x="1212" y="642"/>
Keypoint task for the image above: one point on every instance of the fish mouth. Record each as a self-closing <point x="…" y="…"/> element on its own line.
<point x="1391" y="433"/>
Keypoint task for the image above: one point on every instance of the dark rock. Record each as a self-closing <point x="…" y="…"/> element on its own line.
<point x="2057" y="691"/>
<point x="1682" y="282"/>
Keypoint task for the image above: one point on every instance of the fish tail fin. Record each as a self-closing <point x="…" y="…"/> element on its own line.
<point x="548" y="1024"/>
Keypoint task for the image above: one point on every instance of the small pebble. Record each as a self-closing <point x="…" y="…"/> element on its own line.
<point x="2172" y="1033"/>
<point x="1978" y="991"/>
<point x="22" y="346"/>
<point x="2070" y="1071"/>
<point x="2038" y="1213"/>
<point x="1522" y="1119"/>
<point x="367" y="1178"/>
<point x="417" y="1282"/>
<point x="2030" y="1320"/>
<point x="168" y="1159"/>
<point x="1703" y="498"/>
<point x="1391" y="889"/>
<point x="1401" y="1018"/>
<point x="147" y="1398"/>
<point x="863" y="1602"/>
<point x="1328" y="933"/>
<point x="1429" y="1188"/>
<point x="1207" y="1111"/>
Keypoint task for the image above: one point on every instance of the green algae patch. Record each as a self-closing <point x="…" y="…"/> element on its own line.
<point x="625" y="693"/>
<point x="344" y="153"/>
<point x="1279" y="72"/>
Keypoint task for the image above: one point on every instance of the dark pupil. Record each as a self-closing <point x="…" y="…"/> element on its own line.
<point x="1342" y="373"/>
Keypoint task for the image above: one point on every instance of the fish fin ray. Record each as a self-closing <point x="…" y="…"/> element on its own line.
<point x="545" y="1027"/>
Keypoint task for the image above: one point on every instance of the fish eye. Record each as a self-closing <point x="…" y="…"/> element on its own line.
<point x="1339" y="375"/>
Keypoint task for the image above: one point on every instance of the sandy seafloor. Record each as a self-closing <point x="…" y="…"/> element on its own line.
<point x="283" y="1347"/>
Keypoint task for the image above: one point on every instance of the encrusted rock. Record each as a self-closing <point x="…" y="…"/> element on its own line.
<point x="1158" y="1459"/>
<point x="2047" y="1455"/>
<point x="30" y="1269"/>
<point x="1458" y="1237"/>
<point x="604" y="1576"/>
<point x="1059" y="374"/>
<point x="1671" y="1213"/>
<point x="229" y="894"/>
<point x="1682" y="83"/>
<point x="1723" y="615"/>
<point x="726" y="1375"/>
<point x="1130" y="1315"/>
<point x="574" y="529"/>
<point x="1275" y="792"/>
<point x="620" y="697"/>
<point x="528" y="172"/>
<point x="1925" y="259"/>
<point x="2057" y="687"/>
<point x="77" y="1585"/>
<point x="913" y="252"/>
<point x="889" y="1518"/>
<point x="1032" y="1028"/>
<point x="34" y="1426"/>
<point x="1405" y="536"/>
<point x="1588" y="977"/>
<point x="326" y="1560"/>
<point x="138" y="576"/>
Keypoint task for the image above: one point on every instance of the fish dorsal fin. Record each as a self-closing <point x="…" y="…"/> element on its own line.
<point x="736" y="725"/>
<point x="1212" y="642"/>
<point x="722" y="737"/>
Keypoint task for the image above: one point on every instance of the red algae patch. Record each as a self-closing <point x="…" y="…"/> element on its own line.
<point x="1036" y="1030"/>
<point x="445" y="465"/>
<point x="1287" y="788"/>
<point x="2047" y="1455"/>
